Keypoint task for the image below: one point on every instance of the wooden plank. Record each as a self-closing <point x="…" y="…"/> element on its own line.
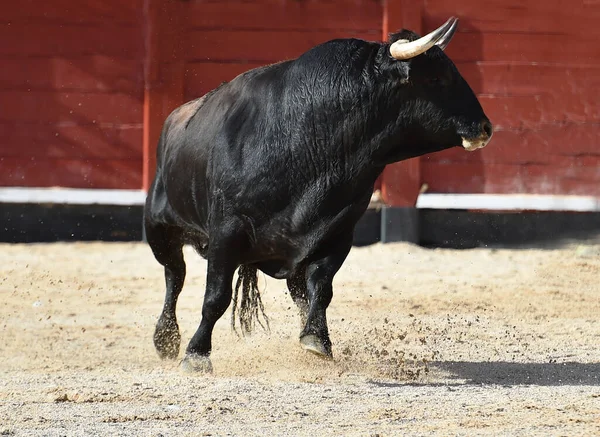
<point x="90" y="73"/>
<point x="309" y="15"/>
<point x="475" y="177"/>
<point x="164" y="64"/>
<point x="72" y="173"/>
<point x="70" y="141"/>
<point x="522" y="79"/>
<point x="518" y="47"/>
<point x="532" y="112"/>
<point x="201" y="77"/>
<point x="51" y="40"/>
<point x="529" y="16"/>
<point x="260" y="46"/>
<point x="75" y="107"/>
<point x="569" y="144"/>
<point x="68" y="11"/>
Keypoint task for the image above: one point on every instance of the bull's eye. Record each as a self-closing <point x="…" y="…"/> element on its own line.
<point x="433" y="81"/>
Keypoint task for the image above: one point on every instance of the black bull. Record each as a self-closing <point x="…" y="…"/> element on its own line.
<point x="272" y="170"/>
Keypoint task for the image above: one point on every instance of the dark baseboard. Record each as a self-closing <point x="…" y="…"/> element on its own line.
<point x="467" y="229"/>
<point x="41" y="223"/>
<point x="368" y="228"/>
<point x="28" y="223"/>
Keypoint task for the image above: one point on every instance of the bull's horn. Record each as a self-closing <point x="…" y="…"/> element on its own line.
<point x="445" y="40"/>
<point x="403" y="49"/>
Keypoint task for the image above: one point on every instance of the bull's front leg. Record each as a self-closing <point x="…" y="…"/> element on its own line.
<point x="319" y="278"/>
<point x="297" y="287"/>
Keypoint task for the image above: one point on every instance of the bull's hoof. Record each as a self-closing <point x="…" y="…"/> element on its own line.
<point x="194" y="363"/>
<point x="167" y="339"/>
<point x="313" y="344"/>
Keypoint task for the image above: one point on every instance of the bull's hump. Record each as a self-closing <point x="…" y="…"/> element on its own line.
<point x="182" y="115"/>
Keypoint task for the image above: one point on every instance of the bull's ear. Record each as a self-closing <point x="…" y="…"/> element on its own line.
<point x="393" y="70"/>
<point x="403" y="69"/>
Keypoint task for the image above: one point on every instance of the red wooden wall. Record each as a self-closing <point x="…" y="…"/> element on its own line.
<point x="226" y="38"/>
<point x="71" y="93"/>
<point x="85" y="86"/>
<point x="536" y="67"/>
<point x="201" y="43"/>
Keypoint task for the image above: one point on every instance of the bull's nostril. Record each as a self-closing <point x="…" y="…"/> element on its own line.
<point x="487" y="128"/>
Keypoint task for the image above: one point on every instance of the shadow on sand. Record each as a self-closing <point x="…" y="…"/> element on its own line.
<point x="511" y="374"/>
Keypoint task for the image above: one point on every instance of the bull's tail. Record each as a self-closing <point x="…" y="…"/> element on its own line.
<point x="248" y="307"/>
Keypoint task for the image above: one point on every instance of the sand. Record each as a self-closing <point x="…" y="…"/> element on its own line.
<point x="426" y="342"/>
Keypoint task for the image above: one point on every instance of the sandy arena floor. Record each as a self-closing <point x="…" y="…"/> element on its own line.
<point x="426" y="342"/>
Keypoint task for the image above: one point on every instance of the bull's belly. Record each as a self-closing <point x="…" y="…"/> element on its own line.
<point x="282" y="257"/>
<point x="277" y="269"/>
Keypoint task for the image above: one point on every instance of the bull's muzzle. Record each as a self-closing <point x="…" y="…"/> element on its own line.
<point x="487" y="130"/>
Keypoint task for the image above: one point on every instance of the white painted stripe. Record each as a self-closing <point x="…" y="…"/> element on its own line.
<point x="495" y="202"/>
<point x="509" y="202"/>
<point x="72" y="196"/>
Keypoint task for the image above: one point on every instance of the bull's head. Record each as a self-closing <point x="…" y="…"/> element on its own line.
<point x="442" y="101"/>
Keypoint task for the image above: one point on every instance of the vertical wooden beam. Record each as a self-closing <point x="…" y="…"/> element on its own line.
<point x="401" y="181"/>
<point x="151" y="73"/>
<point x="164" y="67"/>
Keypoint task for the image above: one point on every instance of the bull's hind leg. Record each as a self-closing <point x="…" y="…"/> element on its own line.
<point x="222" y="263"/>
<point x="319" y="274"/>
<point x="167" y="243"/>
